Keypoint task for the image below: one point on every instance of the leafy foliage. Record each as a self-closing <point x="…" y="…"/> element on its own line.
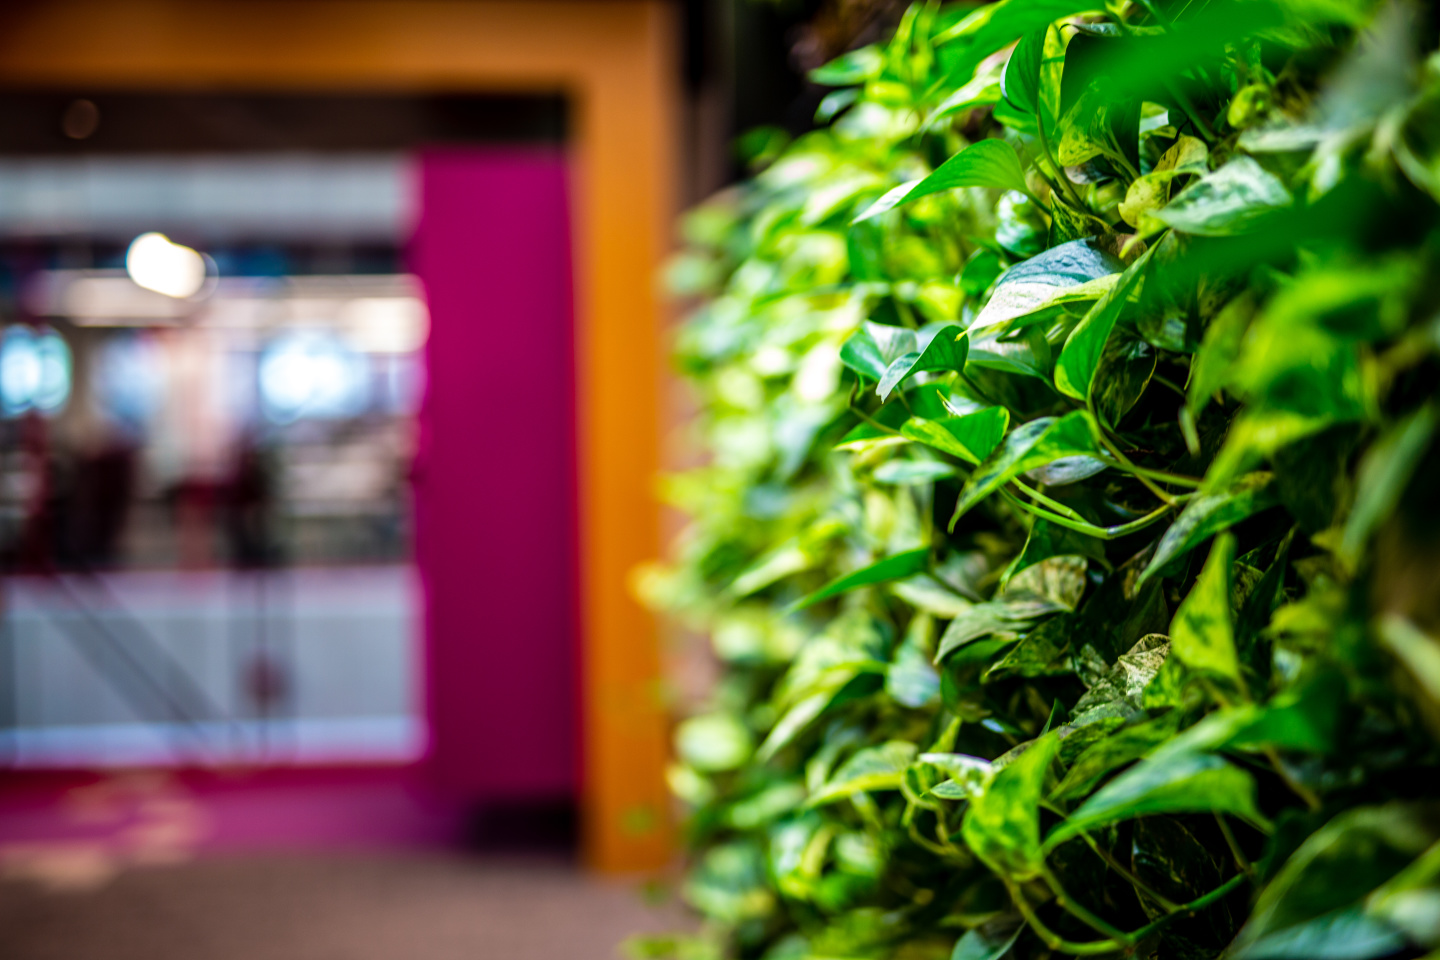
<point x="1067" y="531"/>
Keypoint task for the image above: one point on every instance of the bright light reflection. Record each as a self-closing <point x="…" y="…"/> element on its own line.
<point x="386" y="324"/>
<point x="156" y="263"/>
<point x="310" y="374"/>
<point x="34" y="371"/>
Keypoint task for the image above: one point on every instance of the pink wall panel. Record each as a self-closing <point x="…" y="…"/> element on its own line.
<point x="495" y="473"/>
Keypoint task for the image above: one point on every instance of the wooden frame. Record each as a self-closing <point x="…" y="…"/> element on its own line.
<point x="614" y="61"/>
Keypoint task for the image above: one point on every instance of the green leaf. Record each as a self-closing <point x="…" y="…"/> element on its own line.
<point x="1078" y="270"/>
<point x="1041" y="652"/>
<point x="1231" y="200"/>
<point x="1002" y="825"/>
<point x="1179" y="782"/>
<point x="857" y="66"/>
<point x="779" y="563"/>
<point x="944" y="349"/>
<point x="797" y="718"/>
<point x="714" y="741"/>
<point x="873" y="768"/>
<point x="988" y="163"/>
<point x="1151" y="192"/>
<point x="1312" y="476"/>
<point x="1303" y="718"/>
<point x="875" y="346"/>
<point x="1067" y="470"/>
<point x="1048" y="540"/>
<point x="1020" y="80"/>
<point x="1121" y="687"/>
<point x="1210" y="370"/>
<point x="1345" y="934"/>
<point x="983" y="619"/>
<point x="1127" y="365"/>
<point x="1384" y="473"/>
<point x="981" y="270"/>
<point x="1126" y="745"/>
<point x="1338" y="865"/>
<point x="1034" y="444"/>
<point x="976" y="945"/>
<point x="1409" y="899"/>
<point x="1071" y="223"/>
<point x="983" y="91"/>
<point x="1003" y="24"/>
<point x="1208" y="514"/>
<point x="969" y="776"/>
<point x="911" y="680"/>
<point x="1301" y="369"/>
<point x="1148" y="62"/>
<point x="1075" y="369"/>
<point x="927" y="594"/>
<point x="896" y="567"/>
<point x="1417" y="652"/>
<point x="1254" y="435"/>
<point x="907" y="472"/>
<point x="1202" y="634"/>
<point x="729" y="883"/>
<point x="972" y="437"/>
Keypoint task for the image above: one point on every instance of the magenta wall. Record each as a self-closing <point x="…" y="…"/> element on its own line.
<point x="494" y="476"/>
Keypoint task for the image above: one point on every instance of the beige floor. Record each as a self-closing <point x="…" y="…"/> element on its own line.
<point x="331" y="907"/>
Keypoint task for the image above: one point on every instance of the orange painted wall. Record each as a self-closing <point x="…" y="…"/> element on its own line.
<point x="614" y="60"/>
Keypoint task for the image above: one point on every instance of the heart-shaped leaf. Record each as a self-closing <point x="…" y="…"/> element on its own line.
<point x="1208" y="514"/>
<point x="1179" y="782"/>
<point x="896" y="567"/>
<point x="1075" y="370"/>
<point x="1002" y="825"/>
<point x="972" y="437"/>
<point x="1034" y="444"/>
<point x="939" y="349"/>
<point x="989" y="163"/>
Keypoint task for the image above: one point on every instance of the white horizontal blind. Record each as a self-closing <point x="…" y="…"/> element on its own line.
<point x="351" y="197"/>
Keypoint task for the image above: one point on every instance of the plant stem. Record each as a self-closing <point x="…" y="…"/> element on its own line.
<point x="1045" y="501"/>
<point x="1065" y="186"/>
<point x="1103" y="533"/>
<point x="1169" y="906"/>
<point x="925" y="843"/>
<point x="1053" y="940"/>
<point x="1164" y="382"/>
<point x="977" y="388"/>
<point x="1194" y="906"/>
<point x="1079" y="912"/>
<point x="1164" y="477"/>
<point x="865" y="417"/>
<point x="1098" y="430"/>
<point x="1150" y="8"/>
<point x="1296" y="787"/>
<point x="1234" y="846"/>
<point x="1119" y="156"/>
<point x="1182" y="98"/>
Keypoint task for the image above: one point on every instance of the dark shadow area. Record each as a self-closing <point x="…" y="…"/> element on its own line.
<point x="550" y="827"/>
<point x="80" y="121"/>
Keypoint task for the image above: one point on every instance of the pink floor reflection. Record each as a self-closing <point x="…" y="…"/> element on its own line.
<point x="78" y="830"/>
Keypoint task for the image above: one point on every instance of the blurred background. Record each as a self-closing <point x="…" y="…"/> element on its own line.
<point x="258" y="335"/>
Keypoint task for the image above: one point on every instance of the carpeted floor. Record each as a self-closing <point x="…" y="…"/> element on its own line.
<point x="330" y="906"/>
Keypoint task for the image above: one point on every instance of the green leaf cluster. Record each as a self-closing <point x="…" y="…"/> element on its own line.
<point x="1066" y="528"/>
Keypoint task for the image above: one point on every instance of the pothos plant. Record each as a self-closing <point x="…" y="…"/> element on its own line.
<point x="1068" y="532"/>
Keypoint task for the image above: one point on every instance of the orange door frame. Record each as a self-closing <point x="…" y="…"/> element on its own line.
<point x="613" y="59"/>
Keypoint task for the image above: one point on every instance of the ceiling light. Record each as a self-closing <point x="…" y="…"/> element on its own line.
<point x="156" y="263"/>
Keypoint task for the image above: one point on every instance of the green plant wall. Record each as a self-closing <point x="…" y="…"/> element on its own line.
<point x="1068" y="530"/>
